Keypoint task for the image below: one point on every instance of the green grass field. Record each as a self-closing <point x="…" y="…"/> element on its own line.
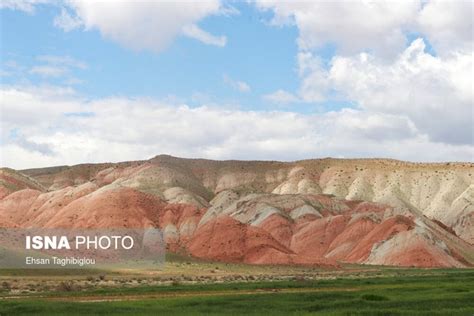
<point x="443" y="292"/>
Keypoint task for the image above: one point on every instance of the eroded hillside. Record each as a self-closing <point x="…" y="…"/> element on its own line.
<point x="321" y="211"/>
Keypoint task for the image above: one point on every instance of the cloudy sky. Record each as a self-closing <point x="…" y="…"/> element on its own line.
<point x="87" y="81"/>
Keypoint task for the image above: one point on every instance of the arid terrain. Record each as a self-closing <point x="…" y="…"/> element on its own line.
<point x="323" y="212"/>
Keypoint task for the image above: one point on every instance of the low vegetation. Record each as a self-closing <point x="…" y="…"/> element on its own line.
<point x="446" y="292"/>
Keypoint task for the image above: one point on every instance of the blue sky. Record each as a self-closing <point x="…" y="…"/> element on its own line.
<point x="346" y="79"/>
<point x="261" y="56"/>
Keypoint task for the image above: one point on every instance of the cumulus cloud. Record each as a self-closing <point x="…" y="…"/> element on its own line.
<point x="58" y="127"/>
<point x="435" y="93"/>
<point x="448" y="25"/>
<point x="354" y="26"/>
<point x="151" y="25"/>
<point x="378" y="70"/>
<point x="147" y="25"/>
<point x="314" y="84"/>
<point x="36" y="107"/>
<point x="408" y="104"/>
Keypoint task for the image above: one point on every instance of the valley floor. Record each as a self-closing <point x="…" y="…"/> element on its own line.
<point x="197" y="288"/>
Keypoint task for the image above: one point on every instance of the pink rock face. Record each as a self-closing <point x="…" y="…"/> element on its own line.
<point x="352" y="236"/>
<point x="6" y="223"/>
<point x="315" y="238"/>
<point x="381" y="232"/>
<point x="221" y="239"/>
<point x="123" y="207"/>
<point x="353" y="232"/>
<point x="4" y="192"/>
<point x="182" y="220"/>
<point x="226" y="239"/>
<point x="279" y="228"/>
<point x="349" y="239"/>
<point x="17" y="207"/>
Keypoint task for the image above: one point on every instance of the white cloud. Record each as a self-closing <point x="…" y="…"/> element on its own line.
<point x="149" y="25"/>
<point x="435" y="93"/>
<point x="448" y="25"/>
<point x="281" y="96"/>
<point x="378" y="70"/>
<point x="314" y="83"/>
<point x="66" y="61"/>
<point x="48" y="71"/>
<point x="196" y="32"/>
<point x="36" y="107"/>
<point x="57" y="127"/>
<point x="57" y="66"/>
<point x="27" y="6"/>
<point x="354" y="26"/>
<point x="67" y="21"/>
<point x="238" y="85"/>
<point x="12" y="68"/>
<point x="409" y="104"/>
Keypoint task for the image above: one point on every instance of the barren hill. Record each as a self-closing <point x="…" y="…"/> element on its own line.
<point x="320" y="211"/>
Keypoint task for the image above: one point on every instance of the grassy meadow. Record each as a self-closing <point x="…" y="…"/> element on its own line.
<point x="409" y="292"/>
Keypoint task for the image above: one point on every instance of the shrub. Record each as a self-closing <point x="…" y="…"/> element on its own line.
<point x="373" y="297"/>
<point x="65" y="286"/>
<point x="6" y="285"/>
